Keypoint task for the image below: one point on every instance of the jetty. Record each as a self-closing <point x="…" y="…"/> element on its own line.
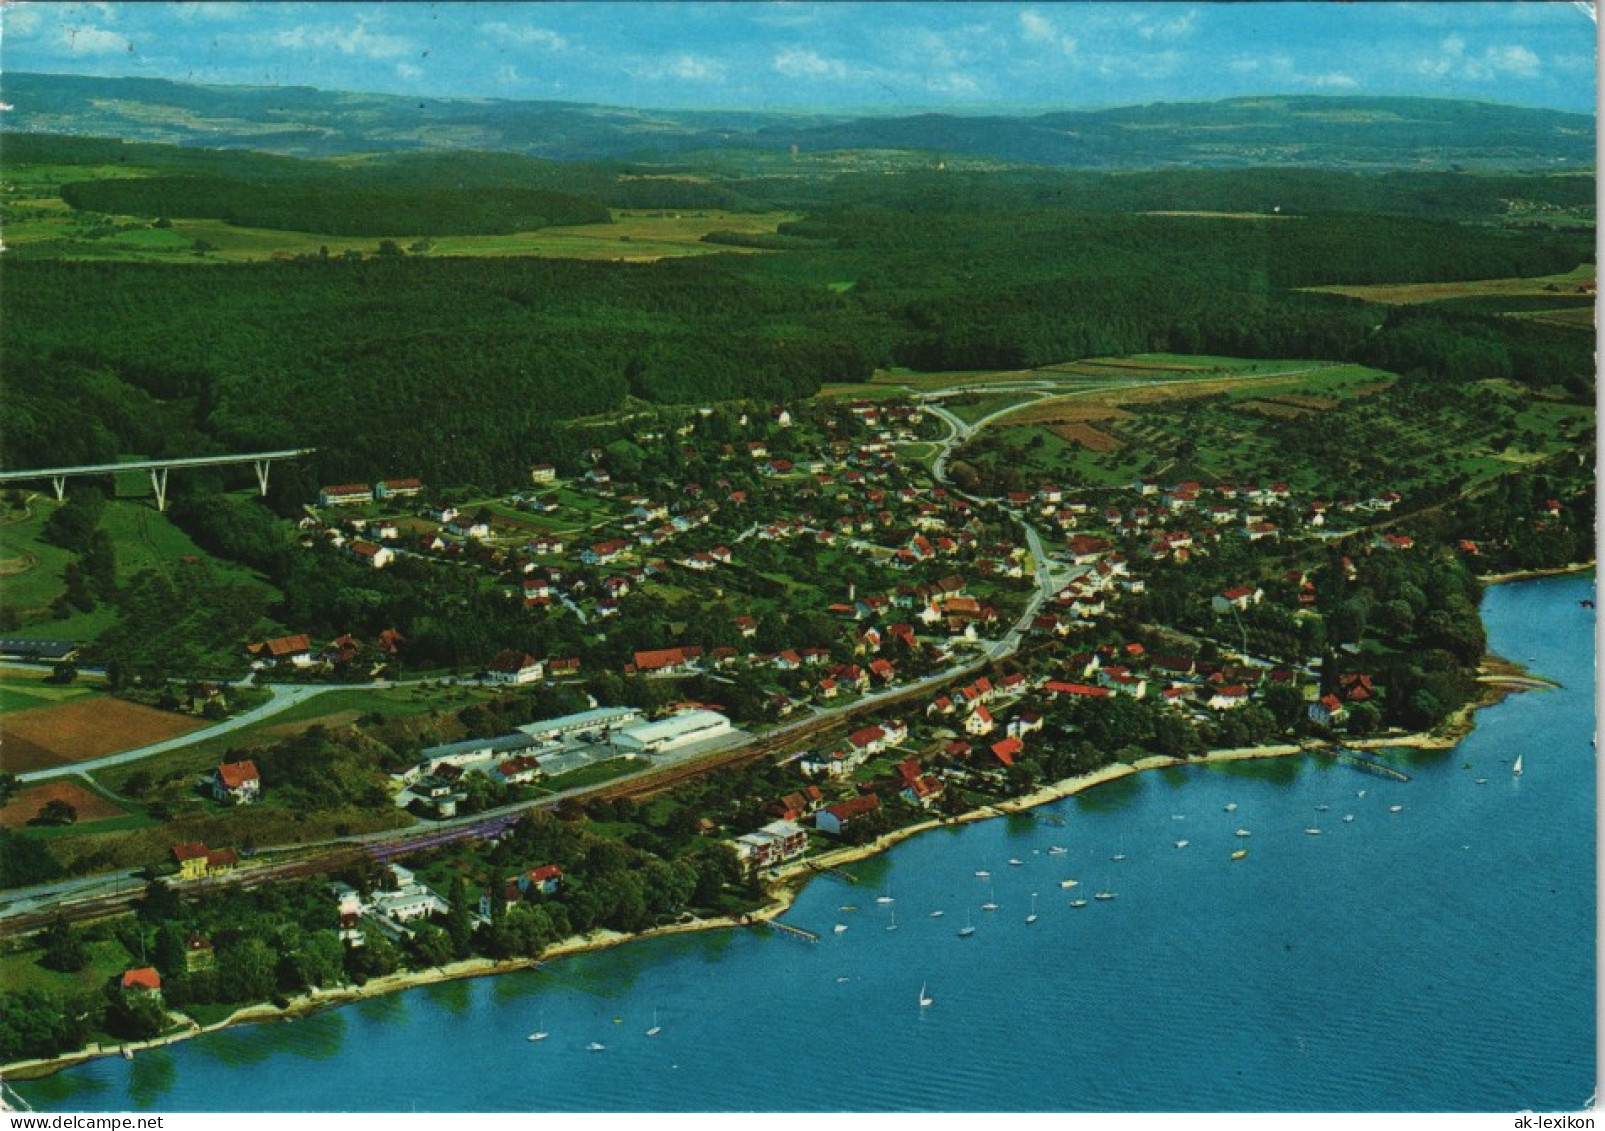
<point x="794" y="932"/>
<point x="1360" y="762"/>
<point x="831" y="869"/>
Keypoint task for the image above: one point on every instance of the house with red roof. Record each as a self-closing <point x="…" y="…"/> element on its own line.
<point x="237" y="783"/>
<point x="837" y="819"/>
<point x="980" y="721"/>
<point x="1327" y="711"/>
<point x="514" y="667"/>
<point x="294" y="649"/>
<point x="142" y="980"/>
<point x="1057" y="688"/>
<point x="1007" y="750"/>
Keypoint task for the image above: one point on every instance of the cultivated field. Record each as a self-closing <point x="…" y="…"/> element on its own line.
<point x="24" y="688"/>
<point x="59" y="735"/>
<point x="25" y="806"/>
<point x="1572" y="282"/>
<point x="1086" y="436"/>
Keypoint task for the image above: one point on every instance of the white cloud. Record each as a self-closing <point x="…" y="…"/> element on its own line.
<point x="1037" y="28"/>
<point x="19" y="19"/>
<point x="688" y="68"/>
<point x="1513" y="60"/>
<point x="1178" y="28"/>
<point x="799" y="64"/>
<point x="1332" y="79"/>
<point x="953" y="83"/>
<point x="1243" y="66"/>
<point x="525" y="36"/>
<point x="408" y="71"/>
<point x="355" y="40"/>
<point x="507" y="75"/>
<point x="209" y="10"/>
<point x="1509" y="61"/>
<point x="86" y="40"/>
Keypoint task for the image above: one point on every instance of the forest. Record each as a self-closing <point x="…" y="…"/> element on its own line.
<point x="917" y="270"/>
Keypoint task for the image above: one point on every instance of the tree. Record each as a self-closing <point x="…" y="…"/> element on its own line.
<point x="56" y="812"/>
<point x="63" y="672"/>
<point x="64" y="950"/>
<point x="248" y="970"/>
<point x="9" y="784"/>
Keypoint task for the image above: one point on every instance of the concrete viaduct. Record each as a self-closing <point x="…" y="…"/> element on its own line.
<point x="158" y="469"/>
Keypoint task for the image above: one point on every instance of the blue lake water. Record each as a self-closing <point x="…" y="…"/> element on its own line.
<point x="1438" y="958"/>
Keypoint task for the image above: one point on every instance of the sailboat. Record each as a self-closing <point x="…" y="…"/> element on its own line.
<point x="1240" y="854"/>
<point x="968" y="929"/>
<point x="1516" y="769"/>
<point x="1057" y="850"/>
<point x="887" y="898"/>
<point x="1015" y="861"/>
<point x="1182" y="843"/>
<point x="1244" y="832"/>
<point x="938" y="913"/>
<point x="596" y="1046"/>
<point x="1348" y="817"/>
<point x="1231" y="806"/>
<point x="656" y="1028"/>
<point x="1104" y="895"/>
<point x="925" y="998"/>
<point x="539" y="1034"/>
<point x="991" y="903"/>
<point x="1079" y="901"/>
<point x="1032" y="918"/>
<point x="892" y="926"/>
<point x="839" y="928"/>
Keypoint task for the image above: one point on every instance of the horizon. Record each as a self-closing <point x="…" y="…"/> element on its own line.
<point x="893" y="59"/>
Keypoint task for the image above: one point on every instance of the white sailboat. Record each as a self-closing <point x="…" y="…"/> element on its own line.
<point x="991" y="903"/>
<point x="1182" y="843"/>
<point x="1057" y="850"/>
<point x="969" y="928"/>
<point x="539" y="1034"/>
<point x="1244" y="832"/>
<point x="892" y="926"/>
<point x="596" y="1046"/>
<point x="1079" y="901"/>
<point x="1231" y="806"/>
<point x="1516" y="769"/>
<point x="938" y="913"/>
<point x="925" y="998"/>
<point x="656" y="1028"/>
<point x="1032" y="918"/>
<point x="840" y="928"/>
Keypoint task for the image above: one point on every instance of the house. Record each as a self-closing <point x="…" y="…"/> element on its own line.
<point x="603" y="552"/>
<point x="350" y="494"/>
<point x="666" y="661"/>
<point x="517" y="771"/>
<point x="1227" y="698"/>
<point x="514" y="667"/>
<point x="296" y="649"/>
<point x="1327" y="711"/>
<point x="141" y="981"/>
<point x="191" y="860"/>
<point x="919" y="788"/>
<point x="980" y="721"/>
<point x="542" y="473"/>
<point x="1239" y="598"/>
<point x="799" y="804"/>
<point x="371" y="554"/>
<point x="1027" y="722"/>
<point x="398" y="488"/>
<point x="837" y="819"/>
<point x="198" y="953"/>
<point x="776" y="842"/>
<point x="1075" y="690"/>
<point x="1007" y="750"/>
<point x="868" y="742"/>
<point x="237" y="783"/>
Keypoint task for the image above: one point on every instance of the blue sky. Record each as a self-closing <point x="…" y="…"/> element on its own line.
<point x="897" y="57"/>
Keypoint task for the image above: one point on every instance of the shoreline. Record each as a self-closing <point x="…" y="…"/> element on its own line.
<point x="1499" y="678"/>
<point x="1536" y="574"/>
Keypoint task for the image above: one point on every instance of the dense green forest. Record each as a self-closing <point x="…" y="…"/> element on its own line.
<point x="466" y="365"/>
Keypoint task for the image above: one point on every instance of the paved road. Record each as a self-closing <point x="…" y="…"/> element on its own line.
<point x="285" y="696"/>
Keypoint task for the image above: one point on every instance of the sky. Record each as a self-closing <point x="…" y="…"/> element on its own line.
<point x="895" y="57"/>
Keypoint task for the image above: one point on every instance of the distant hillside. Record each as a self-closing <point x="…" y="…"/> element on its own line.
<point x="1357" y="133"/>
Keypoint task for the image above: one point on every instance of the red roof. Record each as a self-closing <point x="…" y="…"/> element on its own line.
<point x="659" y="658"/>
<point x="1056" y="687"/>
<point x="846" y="810"/>
<point x="546" y="872"/>
<point x="144" y="978"/>
<point x="222" y="858"/>
<point x="284" y="646"/>
<point x="192" y="851"/>
<point x="1007" y="749"/>
<point x="867" y="736"/>
<point x="233" y="775"/>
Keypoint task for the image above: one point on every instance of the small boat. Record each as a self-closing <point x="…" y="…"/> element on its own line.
<point x="1103" y="895"/>
<point x="1032" y="918"/>
<point x="1078" y="902"/>
<point x="1322" y="808"/>
<point x="1231" y="806"/>
<point x="884" y="899"/>
<point x="1057" y="850"/>
<point x="938" y="913"/>
<point x="539" y="1034"/>
<point x="839" y="928"/>
<point x="1516" y="769"/>
<point x="1244" y="832"/>
<point x="596" y="1046"/>
<point x="1482" y="781"/>
<point x="843" y="978"/>
<point x="1360" y="794"/>
<point x="1117" y="857"/>
<point x="128" y="1053"/>
<point x="1178" y="816"/>
<point x="1239" y="854"/>
<point x="1348" y="817"/>
<point x="983" y="875"/>
<point x="656" y="1028"/>
<point x="892" y="926"/>
<point x="847" y="907"/>
<point x="991" y="903"/>
<point x="925" y="998"/>
<point x="1313" y="831"/>
<point x="1181" y="844"/>
<point x="1013" y="862"/>
<point x="1068" y="883"/>
<point x="1395" y="808"/>
<point x="968" y="929"/>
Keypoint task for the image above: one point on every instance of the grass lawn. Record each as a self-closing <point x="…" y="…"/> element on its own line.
<point x="21" y="688"/>
<point x="593" y="774"/>
<point x="987" y="405"/>
<point x="20" y="969"/>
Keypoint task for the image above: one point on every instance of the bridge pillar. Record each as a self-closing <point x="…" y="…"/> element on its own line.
<point x="261" y="467"/>
<point x="158" y="484"/>
<point x="59" y="482"/>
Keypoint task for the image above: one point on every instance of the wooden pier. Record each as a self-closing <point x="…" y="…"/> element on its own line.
<point x="794" y="932"/>
<point x="1350" y="758"/>
<point x="831" y="869"/>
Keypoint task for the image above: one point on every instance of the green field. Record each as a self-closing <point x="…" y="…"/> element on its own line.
<point x="39" y="222"/>
<point x="20" y="969"/>
<point x="22" y="688"/>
